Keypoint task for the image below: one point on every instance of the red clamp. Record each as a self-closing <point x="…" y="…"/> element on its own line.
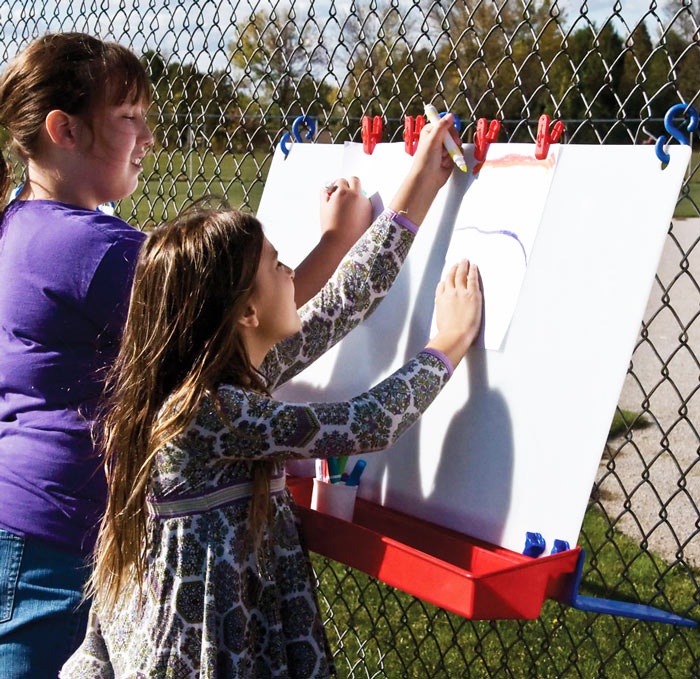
<point x="485" y="134"/>
<point x="371" y="133"/>
<point x="411" y="132"/>
<point x="544" y="138"/>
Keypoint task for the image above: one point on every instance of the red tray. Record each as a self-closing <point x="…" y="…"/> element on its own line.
<point x="462" y="574"/>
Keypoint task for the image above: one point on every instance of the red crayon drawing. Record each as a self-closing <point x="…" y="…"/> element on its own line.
<point x="518" y="160"/>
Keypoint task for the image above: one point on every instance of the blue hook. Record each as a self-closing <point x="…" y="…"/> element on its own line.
<point x="300" y="120"/>
<point x="674" y="131"/>
<point x="286" y="138"/>
<point x="304" y="120"/>
<point x="457" y="121"/>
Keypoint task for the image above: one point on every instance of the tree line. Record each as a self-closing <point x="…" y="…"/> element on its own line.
<point x="508" y="62"/>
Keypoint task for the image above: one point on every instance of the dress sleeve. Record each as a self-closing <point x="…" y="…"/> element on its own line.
<point x="361" y="281"/>
<point x="256" y="426"/>
<point x="92" y="657"/>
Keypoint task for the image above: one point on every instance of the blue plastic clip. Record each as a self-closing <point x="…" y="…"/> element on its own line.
<point x="674" y="131"/>
<point x="457" y="121"/>
<point x="534" y="544"/>
<point x="622" y="608"/>
<point x="560" y="546"/>
<point x="296" y="125"/>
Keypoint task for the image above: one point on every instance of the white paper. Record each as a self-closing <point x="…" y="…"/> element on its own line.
<point x="496" y="227"/>
<point x="290" y="206"/>
<point x="512" y="443"/>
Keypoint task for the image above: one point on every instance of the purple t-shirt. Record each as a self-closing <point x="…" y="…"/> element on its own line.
<point x="65" y="277"/>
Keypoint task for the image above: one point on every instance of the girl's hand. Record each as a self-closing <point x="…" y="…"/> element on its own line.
<point x="431" y="160"/>
<point x="429" y="171"/>
<point x="345" y="215"/>
<point x="458" y="310"/>
<point x="346" y="212"/>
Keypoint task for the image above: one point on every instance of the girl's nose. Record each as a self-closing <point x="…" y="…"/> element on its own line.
<point x="146" y="135"/>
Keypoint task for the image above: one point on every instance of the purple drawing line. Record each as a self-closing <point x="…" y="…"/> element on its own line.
<point x="496" y="232"/>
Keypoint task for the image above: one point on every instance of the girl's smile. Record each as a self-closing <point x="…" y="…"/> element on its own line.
<point x="121" y="139"/>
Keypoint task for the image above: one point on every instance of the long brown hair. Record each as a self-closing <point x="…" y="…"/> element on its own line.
<point x="193" y="280"/>
<point x="71" y="72"/>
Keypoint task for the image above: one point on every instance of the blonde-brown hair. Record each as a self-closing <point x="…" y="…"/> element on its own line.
<point x="193" y="280"/>
<point x="71" y="72"/>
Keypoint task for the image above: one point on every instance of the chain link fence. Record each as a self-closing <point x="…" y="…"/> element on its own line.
<point x="231" y="76"/>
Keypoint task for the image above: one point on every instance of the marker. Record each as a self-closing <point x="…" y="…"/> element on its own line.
<point x="333" y="470"/>
<point x="354" y="478"/>
<point x="452" y="148"/>
<point x="330" y="187"/>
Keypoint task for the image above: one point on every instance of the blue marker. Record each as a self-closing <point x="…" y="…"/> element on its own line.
<point x="333" y="470"/>
<point x="354" y="478"/>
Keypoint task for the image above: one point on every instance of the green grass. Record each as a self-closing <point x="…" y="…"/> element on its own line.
<point x="172" y="180"/>
<point x="380" y="631"/>
<point x="624" y="419"/>
<point x="689" y="203"/>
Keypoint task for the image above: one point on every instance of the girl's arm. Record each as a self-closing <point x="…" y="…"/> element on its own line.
<point x="345" y="215"/>
<point x="363" y="278"/>
<point x="261" y="427"/>
<point x="370" y="268"/>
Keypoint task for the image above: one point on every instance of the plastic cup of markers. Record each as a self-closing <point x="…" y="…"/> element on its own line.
<point x="335" y="499"/>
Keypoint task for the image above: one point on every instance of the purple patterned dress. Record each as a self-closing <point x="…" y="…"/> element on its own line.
<point x="214" y="607"/>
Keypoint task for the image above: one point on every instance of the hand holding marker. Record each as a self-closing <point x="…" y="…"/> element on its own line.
<point x="455" y="152"/>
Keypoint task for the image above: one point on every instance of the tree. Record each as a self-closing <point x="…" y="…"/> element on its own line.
<point x="194" y="108"/>
<point x="277" y="64"/>
<point x="391" y="72"/>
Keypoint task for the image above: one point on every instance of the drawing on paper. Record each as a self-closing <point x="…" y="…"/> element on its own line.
<point x="496" y="232"/>
<point x="496" y="226"/>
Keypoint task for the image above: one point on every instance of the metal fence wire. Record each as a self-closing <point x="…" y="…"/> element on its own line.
<point x="229" y="78"/>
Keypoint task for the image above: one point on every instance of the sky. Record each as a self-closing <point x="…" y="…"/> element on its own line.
<point x="631" y="10"/>
<point x="195" y="30"/>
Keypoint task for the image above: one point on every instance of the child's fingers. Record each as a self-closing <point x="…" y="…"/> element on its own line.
<point x="334" y="188"/>
<point x="440" y="128"/>
<point x="355" y="184"/>
<point x="455" y="135"/>
<point x="440" y="289"/>
<point x="473" y="277"/>
<point x="449" y="281"/>
<point x="462" y="274"/>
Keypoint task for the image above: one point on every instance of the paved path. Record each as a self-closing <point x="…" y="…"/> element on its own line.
<point x="659" y="468"/>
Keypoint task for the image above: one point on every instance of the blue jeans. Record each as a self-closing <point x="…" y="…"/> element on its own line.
<point x="41" y="619"/>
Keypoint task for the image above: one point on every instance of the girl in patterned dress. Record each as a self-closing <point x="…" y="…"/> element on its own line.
<point x="199" y="568"/>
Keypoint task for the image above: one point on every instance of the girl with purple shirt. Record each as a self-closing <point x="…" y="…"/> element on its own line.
<point x="74" y="109"/>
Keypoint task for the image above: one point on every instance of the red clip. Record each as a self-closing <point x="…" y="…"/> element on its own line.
<point x="371" y="133"/>
<point x="544" y="138"/>
<point x="411" y="133"/>
<point x="484" y="137"/>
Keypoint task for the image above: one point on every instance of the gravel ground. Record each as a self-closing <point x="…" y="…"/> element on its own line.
<point x="656" y="471"/>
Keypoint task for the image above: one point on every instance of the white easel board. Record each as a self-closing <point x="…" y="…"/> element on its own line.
<point x="513" y="442"/>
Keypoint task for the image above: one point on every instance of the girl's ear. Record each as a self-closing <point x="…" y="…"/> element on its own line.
<point x="62" y="129"/>
<point x="249" y="319"/>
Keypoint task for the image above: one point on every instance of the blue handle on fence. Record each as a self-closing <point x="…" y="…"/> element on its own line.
<point x="296" y="132"/>
<point x="676" y="133"/>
